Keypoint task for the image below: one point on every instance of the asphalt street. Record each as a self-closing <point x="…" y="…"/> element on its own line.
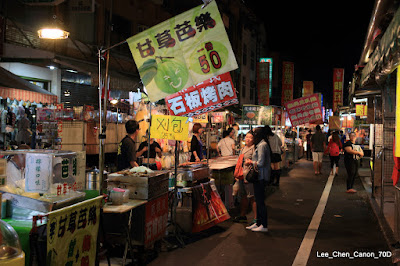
<point x="347" y="230"/>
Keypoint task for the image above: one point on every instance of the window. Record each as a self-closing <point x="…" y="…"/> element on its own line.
<point x="243" y="87"/>
<point x="244" y="54"/>
<point x="252" y="60"/>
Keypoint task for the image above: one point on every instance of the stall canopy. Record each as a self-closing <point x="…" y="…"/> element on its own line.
<point x="386" y="56"/>
<point x="14" y="87"/>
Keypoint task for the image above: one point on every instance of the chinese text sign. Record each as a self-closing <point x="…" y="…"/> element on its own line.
<point x="305" y="110"/>
<point x="72" y="234"/>
<point x="38" y="172"/>
<point x="209" y="95"/>
<point x="156" y="219"/>
<point x="308" y="88"/>
<point x="182" y="51"/>
<point x="338" y="78"/>
<point x="169" y="127"/>
<point x="263" y="83"/>
<point x="287" y="81"/>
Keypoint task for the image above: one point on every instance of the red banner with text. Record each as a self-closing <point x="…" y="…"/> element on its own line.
<point x="338" y="78"/>
<point x="209" y="95"/>
<point x="287" y="81"/>
<point x="305" y="110"/>
<point x="263" y="83"/>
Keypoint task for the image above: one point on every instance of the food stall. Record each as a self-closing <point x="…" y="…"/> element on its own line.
<point x="43" y="204"/>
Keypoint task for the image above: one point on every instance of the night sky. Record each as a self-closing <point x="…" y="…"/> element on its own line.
<point x="319" y="35"/>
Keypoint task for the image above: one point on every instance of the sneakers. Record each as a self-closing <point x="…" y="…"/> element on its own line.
<point x="260" y="228"/>
<point x="240" y="219"/>
<point x="251" y="227"/>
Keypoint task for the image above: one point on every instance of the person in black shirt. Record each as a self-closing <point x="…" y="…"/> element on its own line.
<point x="196" y="146"/>
<point x="127" y="147"/>
<point x="155" y="149"/>
<point x="352" y="153"/>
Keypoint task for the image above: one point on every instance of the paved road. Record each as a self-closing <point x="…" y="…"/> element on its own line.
<point x="348" y="225"/>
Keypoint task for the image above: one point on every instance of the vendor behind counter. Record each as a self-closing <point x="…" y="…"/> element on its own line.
<point x="149" y="157"/>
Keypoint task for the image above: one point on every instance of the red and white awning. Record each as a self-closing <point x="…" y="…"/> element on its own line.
<point x="25" y="95"/>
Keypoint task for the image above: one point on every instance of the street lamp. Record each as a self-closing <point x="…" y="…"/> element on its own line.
<point x="54" y="32"/>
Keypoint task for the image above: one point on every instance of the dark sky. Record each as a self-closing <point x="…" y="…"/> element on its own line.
<point x="319" y="35"/>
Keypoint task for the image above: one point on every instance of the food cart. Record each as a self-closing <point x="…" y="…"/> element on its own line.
<point x="45" y="207"/>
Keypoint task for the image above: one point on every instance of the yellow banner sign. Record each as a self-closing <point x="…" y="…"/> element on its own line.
<point x="361" y="110"/>
<point x="182" y="51"/>
<point x="72" y="234"/>
<point x="169" y="127"/>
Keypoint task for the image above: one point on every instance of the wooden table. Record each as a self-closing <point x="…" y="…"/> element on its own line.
<point x="122" y="209"/>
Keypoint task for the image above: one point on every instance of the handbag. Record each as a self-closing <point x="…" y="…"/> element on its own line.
<point x="252" y="175"/>
<point x="239" y="168"/>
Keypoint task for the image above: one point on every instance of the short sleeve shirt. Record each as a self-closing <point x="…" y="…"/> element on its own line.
<point x="225" y="146"/>
<point x="126" y="153"/>
<point x="317" y="141"/>
<point x="153" y="147"/>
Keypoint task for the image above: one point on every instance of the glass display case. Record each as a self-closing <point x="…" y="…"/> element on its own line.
<point x="10" y="248"/>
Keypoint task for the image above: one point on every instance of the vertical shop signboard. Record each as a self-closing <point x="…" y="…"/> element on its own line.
<point x="263" y="83"/>
<point x="361" y="110"/>
<point x="156" y="219"/>
<point x="287" y="81"/>
<point x="338" y="78"/>
<point x="182" y="51"/>
<point x="72" y="234"/>
<point x="308" y="88"/>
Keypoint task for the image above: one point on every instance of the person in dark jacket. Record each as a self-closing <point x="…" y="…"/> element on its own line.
<point x="196" y="146"/>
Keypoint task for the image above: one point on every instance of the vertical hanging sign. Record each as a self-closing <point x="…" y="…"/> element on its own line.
<point x="263" y="83"/>
<point x="338" y="77"/>
<point x="308" y="88"/>
<point x="287" y="82"/>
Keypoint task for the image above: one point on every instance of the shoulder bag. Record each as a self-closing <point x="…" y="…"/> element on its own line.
<point x="252" y="175"/>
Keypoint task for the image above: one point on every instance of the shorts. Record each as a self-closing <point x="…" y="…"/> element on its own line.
<point x="276" y="158"/>
<point x="317" y="156"/>
<point x="334" y="160"/>
<point x="245" y="189"/>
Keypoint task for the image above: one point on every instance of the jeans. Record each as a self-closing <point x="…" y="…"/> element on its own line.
<point x="352" y="172"/>
<point x="259" y="194"/>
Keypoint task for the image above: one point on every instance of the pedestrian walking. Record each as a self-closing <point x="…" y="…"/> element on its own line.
<point x="352" y="153"/>
<point x="261" y="160"/>
<point x="246" y="190"/>
<point x="308" y="138"/>
<point x="333" y="149"/>
<point x="275" y="144"/>
<point x="318" y="146"/>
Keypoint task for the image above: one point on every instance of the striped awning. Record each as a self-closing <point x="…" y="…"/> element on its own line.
<point x="25" y="95"/>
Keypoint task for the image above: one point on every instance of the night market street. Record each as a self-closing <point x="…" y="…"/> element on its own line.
<point x="348" y="226"/>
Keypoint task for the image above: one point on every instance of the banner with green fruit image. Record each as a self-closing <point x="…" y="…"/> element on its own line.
<point x="182" y="51"/>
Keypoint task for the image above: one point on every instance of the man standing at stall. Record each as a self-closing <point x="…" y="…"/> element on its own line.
<point x="318" y="145"/>
<point x="127" y="147"/>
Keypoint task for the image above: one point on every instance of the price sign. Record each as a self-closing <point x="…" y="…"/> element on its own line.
<point x="169" y="127"/>
<point x="38" y="171"/>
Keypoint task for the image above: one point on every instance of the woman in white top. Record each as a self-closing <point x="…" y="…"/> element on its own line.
<point x="226" y="146"/>
<point x="276" y="148"/>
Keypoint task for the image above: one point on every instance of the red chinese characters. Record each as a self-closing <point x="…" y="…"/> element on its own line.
<point x="338" y="78"/>
<point x="287" y="81"/>
<point x="209" y="95"/>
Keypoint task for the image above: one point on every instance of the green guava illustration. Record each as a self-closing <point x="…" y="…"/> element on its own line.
<point x="170" y="75"/>
<point x="208" y="57"/>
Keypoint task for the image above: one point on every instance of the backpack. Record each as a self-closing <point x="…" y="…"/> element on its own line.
<point x="334" y="149"/>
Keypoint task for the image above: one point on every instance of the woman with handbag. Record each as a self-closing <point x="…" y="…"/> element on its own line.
<point x="245" y="188"/>
<point x="260" y="164"/>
